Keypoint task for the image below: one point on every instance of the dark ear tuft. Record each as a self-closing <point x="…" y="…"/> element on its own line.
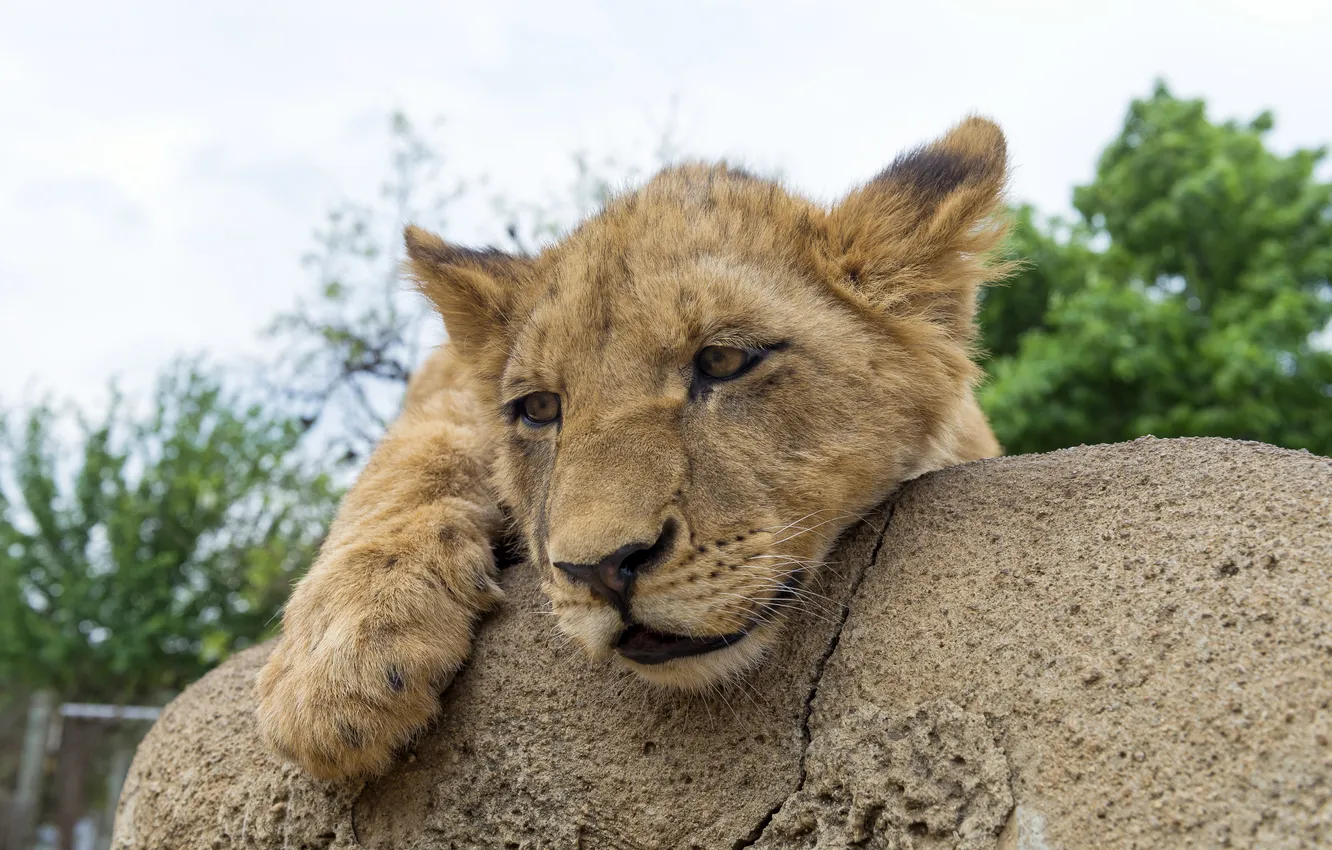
<point x="425" y="247"/>
<point x="973" y="154"/>
<point x="919" y="237"/>
<point x="473" y="289"/>
<point x="930" y="173"/>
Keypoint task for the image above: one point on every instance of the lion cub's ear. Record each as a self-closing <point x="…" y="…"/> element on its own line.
<point x="473" y="290"/>
<point x="919" y="237"/>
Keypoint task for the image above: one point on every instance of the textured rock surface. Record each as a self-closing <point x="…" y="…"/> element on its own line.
<point x="1117" y="646"/>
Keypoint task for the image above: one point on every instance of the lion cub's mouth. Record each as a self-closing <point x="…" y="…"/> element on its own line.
<point x="645" y="646"/>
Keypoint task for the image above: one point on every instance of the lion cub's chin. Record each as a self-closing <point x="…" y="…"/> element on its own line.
<point x="703" y="672"/>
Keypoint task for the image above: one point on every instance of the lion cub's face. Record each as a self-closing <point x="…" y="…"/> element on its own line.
<point x="700" y="388"/>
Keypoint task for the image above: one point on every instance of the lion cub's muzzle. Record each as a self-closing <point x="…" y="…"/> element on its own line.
<point x="612" y="579"/>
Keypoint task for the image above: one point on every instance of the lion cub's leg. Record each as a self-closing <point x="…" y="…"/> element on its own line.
<point x="384" y="617"/>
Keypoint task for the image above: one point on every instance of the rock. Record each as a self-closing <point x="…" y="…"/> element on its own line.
<point x="1110" y="646"/>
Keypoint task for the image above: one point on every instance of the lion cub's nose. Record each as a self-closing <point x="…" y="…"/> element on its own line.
<point x="612" y="578"/>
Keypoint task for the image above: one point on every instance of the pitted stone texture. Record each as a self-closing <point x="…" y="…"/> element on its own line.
<point x="1140" y="633"/>
<point x="201" y="779"/>
<point x="1148" y="626"/>
<point x="934" y="778"/>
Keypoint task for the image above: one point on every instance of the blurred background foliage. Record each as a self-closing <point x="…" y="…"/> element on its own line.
<point x="140" y="549"/>
<point x="1189" y="296"/>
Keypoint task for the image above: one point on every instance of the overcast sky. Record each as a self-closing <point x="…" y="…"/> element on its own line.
<point x="163" y="164"/>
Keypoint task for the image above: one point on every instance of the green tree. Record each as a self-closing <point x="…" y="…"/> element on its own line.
<point x="1191" y="296"/>
<point x="161" y="543"/>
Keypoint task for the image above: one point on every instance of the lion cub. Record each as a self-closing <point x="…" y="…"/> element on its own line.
<point x="678" y="408"/>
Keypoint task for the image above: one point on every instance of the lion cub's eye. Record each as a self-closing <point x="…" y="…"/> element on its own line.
<point x="539" y="408"/>
<point x="721" y="362"/>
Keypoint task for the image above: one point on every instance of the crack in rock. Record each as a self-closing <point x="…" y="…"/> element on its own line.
<point x="756" y="834"/>
<point x="932" y="778"/>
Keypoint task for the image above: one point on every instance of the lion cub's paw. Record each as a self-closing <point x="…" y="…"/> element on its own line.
<point x="359" y="669"/>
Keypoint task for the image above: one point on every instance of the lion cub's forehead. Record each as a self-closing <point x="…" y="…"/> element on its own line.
<point x="641" y="326"/>
<point x="699" y="252"/>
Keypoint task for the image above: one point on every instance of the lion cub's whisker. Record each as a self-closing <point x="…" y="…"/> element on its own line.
<point x="804" y="531"/>
<point x="761" y="605"/>
<point x="779" y="528"/>
<point x="818" y="606"/>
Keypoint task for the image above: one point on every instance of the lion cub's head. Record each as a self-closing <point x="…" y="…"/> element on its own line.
<point x="702" y="386"/>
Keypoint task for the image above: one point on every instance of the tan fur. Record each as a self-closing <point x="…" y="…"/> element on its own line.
<point x="869" y="309"/>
